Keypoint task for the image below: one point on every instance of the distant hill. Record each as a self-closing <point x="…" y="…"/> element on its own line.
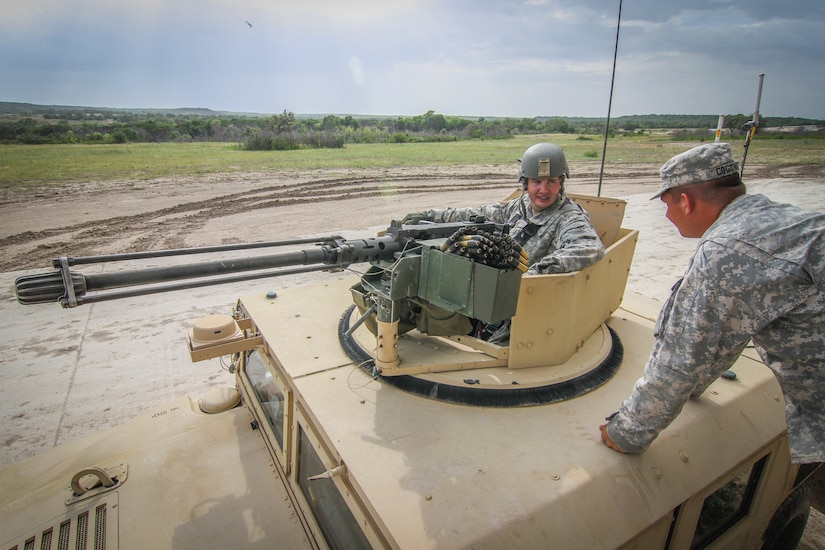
<point x="29" y="123"/>
<point x="32" y="109"/>
<point x="626" y="122"/>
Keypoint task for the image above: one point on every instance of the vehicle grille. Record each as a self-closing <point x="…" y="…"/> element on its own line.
<point x="90" y="528"/>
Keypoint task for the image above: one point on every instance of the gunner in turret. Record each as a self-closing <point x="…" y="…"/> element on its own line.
<point x="555" y="232"/>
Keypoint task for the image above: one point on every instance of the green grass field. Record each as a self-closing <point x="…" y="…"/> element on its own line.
<point x="28" y="166"/>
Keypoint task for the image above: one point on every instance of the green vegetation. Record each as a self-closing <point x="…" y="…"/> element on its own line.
<point x="37" y="124"/>
<point x="282" y="132"/>
<point x="26" y="166"/>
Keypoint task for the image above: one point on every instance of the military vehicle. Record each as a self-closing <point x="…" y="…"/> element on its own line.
<point x="361" y="414"/>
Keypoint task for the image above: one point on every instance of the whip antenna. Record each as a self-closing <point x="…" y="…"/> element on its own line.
<point x="610" y="101"/>
<point x="751" y="126"/>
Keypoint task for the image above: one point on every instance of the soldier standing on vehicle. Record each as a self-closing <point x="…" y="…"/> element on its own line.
<point x="758" y="273"/>
<point x="555" y="232"/>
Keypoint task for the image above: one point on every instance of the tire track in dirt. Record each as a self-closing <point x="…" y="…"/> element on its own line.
<point x="161" y="228"/>
<point x="166" y="227"/>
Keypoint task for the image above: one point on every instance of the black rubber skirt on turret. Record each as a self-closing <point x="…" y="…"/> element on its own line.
<point x="469" y="394"/>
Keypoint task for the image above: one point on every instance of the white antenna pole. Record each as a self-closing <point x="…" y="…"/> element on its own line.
<point x="751" y="126"/>
<point x="719" y="128"/>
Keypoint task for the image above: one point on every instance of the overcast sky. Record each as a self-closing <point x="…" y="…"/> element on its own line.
<point x="404" y="57"/>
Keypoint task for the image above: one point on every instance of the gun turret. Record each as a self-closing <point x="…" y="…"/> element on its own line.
<point x="433" y="276"/>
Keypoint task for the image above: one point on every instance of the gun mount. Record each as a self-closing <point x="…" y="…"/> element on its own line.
<point x="434" y="277"/>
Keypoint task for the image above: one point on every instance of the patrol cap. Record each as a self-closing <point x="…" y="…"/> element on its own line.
<point x="703" y="163"/>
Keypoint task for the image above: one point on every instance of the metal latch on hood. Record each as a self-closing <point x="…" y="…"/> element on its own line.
<point x="93" y="481"/>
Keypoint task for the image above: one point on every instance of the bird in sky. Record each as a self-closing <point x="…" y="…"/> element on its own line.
<point x="250" y="24"/>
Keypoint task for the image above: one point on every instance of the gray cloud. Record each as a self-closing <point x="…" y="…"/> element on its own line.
<point x="490" y="58"/>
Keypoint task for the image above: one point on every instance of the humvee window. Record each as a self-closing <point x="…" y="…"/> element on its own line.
<point x="269" y="394"/>
<point x="337" y="523"/>
<point x="727" y="505"/>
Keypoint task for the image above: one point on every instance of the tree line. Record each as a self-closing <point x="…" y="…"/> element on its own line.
<point x="49" y="125"/>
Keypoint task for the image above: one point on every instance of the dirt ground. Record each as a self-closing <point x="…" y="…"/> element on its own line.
<point x="94" y="218"/>
<point x="91" y="218"/>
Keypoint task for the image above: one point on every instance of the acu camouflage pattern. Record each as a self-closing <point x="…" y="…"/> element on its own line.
<point x="564" y="240"/>
<point x="707" y="162"/>
<point x="757" y="273"/>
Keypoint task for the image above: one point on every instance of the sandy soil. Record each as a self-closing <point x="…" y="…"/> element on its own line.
<point x="67" y="373"/>
<point x="118" y="216"/>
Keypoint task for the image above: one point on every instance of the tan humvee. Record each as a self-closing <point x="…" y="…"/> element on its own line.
<point x="439" y="442"/>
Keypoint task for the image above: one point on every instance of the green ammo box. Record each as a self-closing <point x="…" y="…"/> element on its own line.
<point x="458" y="284"/>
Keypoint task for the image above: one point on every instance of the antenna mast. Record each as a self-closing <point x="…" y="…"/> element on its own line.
<point x="751" y="126"/>
<point x="610" y="101"/>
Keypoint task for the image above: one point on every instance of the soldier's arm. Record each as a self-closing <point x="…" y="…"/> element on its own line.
<point x="495" y="213"/>
<point x="575" y="247"/>
<point x="699" y="334"/>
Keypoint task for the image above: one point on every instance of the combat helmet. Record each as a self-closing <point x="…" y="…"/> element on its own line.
<point x="542" y="161"/>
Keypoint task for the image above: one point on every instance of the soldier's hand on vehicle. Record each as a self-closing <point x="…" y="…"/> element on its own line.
<point x="414" y="218"/>
<point x="609" y="442"/>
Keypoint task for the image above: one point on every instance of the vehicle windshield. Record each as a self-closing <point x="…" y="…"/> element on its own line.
<point x="269" y="394"/>
<point x="329" y="507"/>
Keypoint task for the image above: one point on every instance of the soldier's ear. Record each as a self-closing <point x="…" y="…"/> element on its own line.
<point x="686" y="203"/>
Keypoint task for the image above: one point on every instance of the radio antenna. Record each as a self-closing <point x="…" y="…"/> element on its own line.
<point x="753" y="125"/>
<point x="610" y="101"/>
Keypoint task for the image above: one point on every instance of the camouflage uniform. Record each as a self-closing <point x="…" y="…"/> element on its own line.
<point x="564" y="239"/>
<point x="758" y="272"/>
